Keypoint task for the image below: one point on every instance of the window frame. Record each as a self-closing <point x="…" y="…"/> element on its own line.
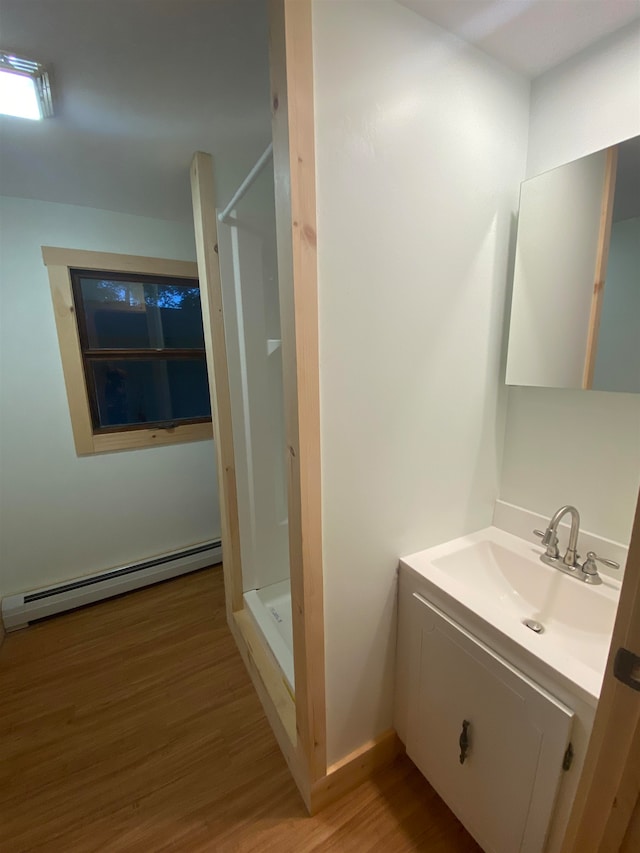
<point x="59" y="263"/>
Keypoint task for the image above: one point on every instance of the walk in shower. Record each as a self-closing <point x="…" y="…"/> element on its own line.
<point x="249" y="275"/>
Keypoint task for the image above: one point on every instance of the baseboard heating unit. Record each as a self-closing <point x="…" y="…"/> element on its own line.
<point x="18" y="610"/>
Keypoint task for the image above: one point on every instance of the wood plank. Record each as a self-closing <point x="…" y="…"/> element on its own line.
<point x="631" y="842"/>
<point x="114" y="262"/>
<point x="602" y="257"/>
<point x="291" y="64"/>
<point x="277" y="702"/>
<point x="206" y="234"/>
<point x="132" y="725"/>
<point x="619" y="821"/>
<point x="615" y="738"/>
<point x="71" y="354"/>
<point x="354" y="768"/>
<point x="133" y="439"/>
<point x="269" y="673"/>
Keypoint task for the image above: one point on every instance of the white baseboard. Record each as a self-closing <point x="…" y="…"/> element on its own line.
<point x="20" y="609"/>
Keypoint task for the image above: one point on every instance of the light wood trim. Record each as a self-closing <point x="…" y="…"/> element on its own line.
<point x="602" y="257"/>
<point x="352" y="770"/>
<point x="291" y="63"/>
<point x="269" y="672"/>
<point x="82" y="259"/>
<point x="58" y="263"/>
<point x="206" y="234"/>
<point x="133" y="439"/>
<point x="609" y="777"/>
<point x="631" y="842"/>
<point x="71" y="354"/>
<point x="626" y="799"/>
<point x="277" y="703"/>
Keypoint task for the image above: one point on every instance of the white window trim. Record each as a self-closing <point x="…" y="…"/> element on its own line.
<point x="59" y="262"/>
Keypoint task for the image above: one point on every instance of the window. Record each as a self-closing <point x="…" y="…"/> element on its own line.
<point x="132" y="346"/>
<point x="25" y="89"/>
<point x="142" y="349"/>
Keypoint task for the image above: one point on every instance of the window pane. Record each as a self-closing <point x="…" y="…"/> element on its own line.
<point x="147" y="391"/>
<point x="137" y="315"/>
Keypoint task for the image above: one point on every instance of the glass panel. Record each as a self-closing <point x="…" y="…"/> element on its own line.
<point x="249" y="273"/>
<point x="147" y="391"/>
<point x="137" y="315"/>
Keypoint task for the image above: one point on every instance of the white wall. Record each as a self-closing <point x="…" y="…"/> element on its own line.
<point x="573" y="446"/>
<point x="587" y="103"/>
<point x="421" y="145"/>
<point x="62" y="516"/>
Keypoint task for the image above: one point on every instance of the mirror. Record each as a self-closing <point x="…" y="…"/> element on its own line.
<point x="575" y="313"/>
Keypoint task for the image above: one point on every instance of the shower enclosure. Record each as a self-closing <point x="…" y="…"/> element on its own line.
<point x="247" y="251"/>
<point x="262" y="351"/>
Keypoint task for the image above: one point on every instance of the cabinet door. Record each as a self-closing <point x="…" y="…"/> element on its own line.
<point x="517" y="733"/>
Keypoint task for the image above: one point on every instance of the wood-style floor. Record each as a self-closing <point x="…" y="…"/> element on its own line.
<point x="133" y="726"/>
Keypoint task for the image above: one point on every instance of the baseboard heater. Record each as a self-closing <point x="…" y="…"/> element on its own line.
<point x="21" y="609"/>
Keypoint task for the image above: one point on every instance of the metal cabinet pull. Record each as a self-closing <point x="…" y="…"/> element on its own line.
<point x="464" y="740"/>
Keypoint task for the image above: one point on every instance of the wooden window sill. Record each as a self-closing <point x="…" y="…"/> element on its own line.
<point x="139" y="438"/>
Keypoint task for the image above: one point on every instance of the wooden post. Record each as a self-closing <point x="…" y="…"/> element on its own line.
<point x="610" y="783"/>
<point x="602" y="257"/>
<point x="291" y="61"/>
<point x="206" y="234"/>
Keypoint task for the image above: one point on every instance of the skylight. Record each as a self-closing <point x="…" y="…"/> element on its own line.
<point x="24" y="88"/>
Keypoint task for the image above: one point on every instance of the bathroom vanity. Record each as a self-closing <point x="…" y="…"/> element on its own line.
<point x="500" y="664"/>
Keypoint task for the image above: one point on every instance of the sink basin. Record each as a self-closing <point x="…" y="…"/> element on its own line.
<point x="500" y="579"/>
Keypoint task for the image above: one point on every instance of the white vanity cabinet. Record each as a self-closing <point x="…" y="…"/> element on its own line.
<point x="505" y="788"/>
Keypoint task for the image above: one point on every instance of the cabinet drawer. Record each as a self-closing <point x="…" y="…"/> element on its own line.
<point x="517" y="734"/>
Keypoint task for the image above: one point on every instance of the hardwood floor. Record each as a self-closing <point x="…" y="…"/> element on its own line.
<point x="133" y="726"/>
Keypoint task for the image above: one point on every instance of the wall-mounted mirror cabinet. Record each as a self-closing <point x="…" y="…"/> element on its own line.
<point x="575" y="316"/>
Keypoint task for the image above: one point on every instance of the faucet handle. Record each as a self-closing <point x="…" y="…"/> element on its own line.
<point x="590" y="567"/>
<point x="550" y="541"/>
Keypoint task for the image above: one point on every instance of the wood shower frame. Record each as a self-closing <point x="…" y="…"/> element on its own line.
<point x="607" y="805"/>
<point x="299" y="724"/>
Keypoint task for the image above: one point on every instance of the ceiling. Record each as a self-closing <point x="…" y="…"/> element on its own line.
<point x="529" y="36"/>
<point x="140" y="86"/>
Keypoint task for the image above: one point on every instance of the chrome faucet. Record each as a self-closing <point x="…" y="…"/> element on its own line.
<point x="569" y="564"/>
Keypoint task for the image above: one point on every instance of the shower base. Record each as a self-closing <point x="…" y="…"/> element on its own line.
<point x="271" y="609"/>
